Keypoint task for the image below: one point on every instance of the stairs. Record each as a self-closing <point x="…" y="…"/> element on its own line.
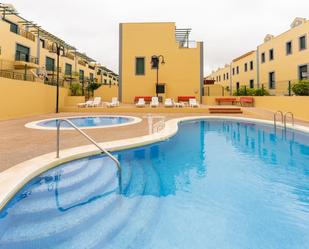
<point x="225" y="110"/>
<point x="78" y="206"/>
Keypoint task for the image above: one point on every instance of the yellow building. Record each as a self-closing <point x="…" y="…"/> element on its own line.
<point x="106" y="76"/>
<point x="27" y="52"/>
<point x="276" y="62"/>
<point x="182" y="71"/>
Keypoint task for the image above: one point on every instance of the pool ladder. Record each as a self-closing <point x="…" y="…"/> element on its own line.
<point x="103" y="151"/>
<point x="283" y="118"/>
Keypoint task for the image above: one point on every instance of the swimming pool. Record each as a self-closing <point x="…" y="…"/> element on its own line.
<point x="85" y="122"/>
<point x="215" y="184"/>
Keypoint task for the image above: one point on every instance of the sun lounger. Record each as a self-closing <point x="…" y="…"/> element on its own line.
<point x="86" y="104"/>
<point x="96" y="102"/>
<point x="154" y="102"/>
<point x="114" y="103"/>
<point x="168" y="103"/>
<point x="193" y="103"/>
<point x="140" y="103"/>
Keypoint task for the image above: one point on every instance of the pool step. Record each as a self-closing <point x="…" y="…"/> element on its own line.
<point x="104" y="180"/>
<point x="65" y="225"/>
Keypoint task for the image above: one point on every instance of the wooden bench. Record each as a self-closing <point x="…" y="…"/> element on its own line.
<point x="226" y="110"/>
<point x="185" y="98"/>
<point x="146" y="98"/>
<point x="246" y="100"/>
<point x="226" y="100"/>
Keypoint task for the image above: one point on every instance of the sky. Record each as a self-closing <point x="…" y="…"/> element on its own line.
<point x="228" y="28"/>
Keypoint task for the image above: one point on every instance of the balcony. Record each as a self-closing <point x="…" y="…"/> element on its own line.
<point x="82" y="63"/>
<point x="26" y="34"/>
<point x="51" y="70"/>
<point x="70" y="56"/>
<point x="23" y="61"/>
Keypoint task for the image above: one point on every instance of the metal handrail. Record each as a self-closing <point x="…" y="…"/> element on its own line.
<point x="275" y="118"/>
<point x="284" y="118"/>
<point x="60" y="120"/>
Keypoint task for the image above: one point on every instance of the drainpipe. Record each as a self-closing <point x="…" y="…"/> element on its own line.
<point x="231" y="80"/>
<point x="38" y="50"/>
<point x="257" y="67"/>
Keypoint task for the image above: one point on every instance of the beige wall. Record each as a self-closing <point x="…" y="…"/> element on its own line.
<point x="215" y="90"/>
<point x="295" y="104"/>
<point x="106" y="92"/>
<point x="284" y="66"/>
<point x="244" y="77"/>
<point x="20" y="98"/>
<point x="74" y="100"/>
<point x="181" y="73"/>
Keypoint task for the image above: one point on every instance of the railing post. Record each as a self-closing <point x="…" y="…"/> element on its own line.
<point x="58" y="122"/>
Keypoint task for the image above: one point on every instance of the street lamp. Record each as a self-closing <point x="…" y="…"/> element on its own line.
<point x="59" y="50"/>
<point x="155" y="62"/>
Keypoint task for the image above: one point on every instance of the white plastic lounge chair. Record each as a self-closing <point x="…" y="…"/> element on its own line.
<point x="154" y="102"/>
<point x="193" y="103"/>
<point x="168" y="103"/>
<point x="86" y="104"/>
<point x="114" y="102"/>
<point x="96" y="102"/>
<point x="140" y="103"/>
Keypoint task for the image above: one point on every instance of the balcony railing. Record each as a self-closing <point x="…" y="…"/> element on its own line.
<point x="81" y="62"/>
<point x="19" y="56"/>
<point x="26" y="34"/>
<point x="91" y="67"/>
<point x="16" y="75"/>
<point x="70" y="56"/>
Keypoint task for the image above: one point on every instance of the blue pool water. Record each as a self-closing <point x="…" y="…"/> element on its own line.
<point x="83" y="122"/>
<point x="215" y="184"/>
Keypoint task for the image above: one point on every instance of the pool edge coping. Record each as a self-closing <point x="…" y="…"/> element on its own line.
<point x="34" y="124"/>
<point x="16" y="177"/>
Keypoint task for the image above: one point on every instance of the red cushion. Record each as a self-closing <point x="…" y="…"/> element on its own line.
<point x="146" y="98"/>
<point x="185" y="98"/>
<point x="246" y="99"/>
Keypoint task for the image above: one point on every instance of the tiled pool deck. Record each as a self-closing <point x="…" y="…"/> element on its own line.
<point x="18" y="143"/>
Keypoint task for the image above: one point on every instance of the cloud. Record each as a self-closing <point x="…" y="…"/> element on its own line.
<point x="228" y="28"/>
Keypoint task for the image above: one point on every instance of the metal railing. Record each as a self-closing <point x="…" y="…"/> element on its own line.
<point x="275" y="118"/>
<point x="103" y="151"/>
<point x="16" y="75"/>
<point x="19" y="56"/>
<point x="284" y="119"/>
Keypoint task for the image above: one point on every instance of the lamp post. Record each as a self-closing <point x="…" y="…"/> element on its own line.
<point x="58" y="49"/>
<point x="155" y="61"/>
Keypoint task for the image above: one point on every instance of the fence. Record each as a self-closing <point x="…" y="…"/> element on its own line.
<point x="278" y="88"/>
<point x="16" y="75"/>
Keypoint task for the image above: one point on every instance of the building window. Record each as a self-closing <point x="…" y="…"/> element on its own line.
<point x="271" y="80"/>
<point x="251" y="65"/>
<point x="224" y="76"/>
<point x="43" y="45"/>
<point x="246" y="67"/>
<point x="22" y="53"/>
<point x="251" y="83"/>
<point x="263" y="57"/>
<point x="81" y="76"/>
<point x="14" y="28"/>
<point x="271" y="54"/>
<point x="105" y="81"/>
<point x="68" y="69"/>
<point x="237" y="69"/>
<point x="302" y="42"/>
<point x="91" y="77"/>
<point x="49" y="64"/>
<point x="288" y="48"/>
<point x="303" y="72"/>
<point x="140" y="66"/>
<point x="233" y="71"/>
<point x="227" y="76"/>
<point x="237" y="85"/>
<point x="220" y="78"/>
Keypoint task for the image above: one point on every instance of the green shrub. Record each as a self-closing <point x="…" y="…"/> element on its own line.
<point x="245" y="91"/>
<point x="76" y="89"/>
<point x="92" y="87"/>
<point x="301" y="88"/>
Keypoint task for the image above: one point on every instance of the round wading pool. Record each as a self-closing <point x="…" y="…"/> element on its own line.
<point x="215" y="184"/>
<point x="85" y="122"/>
